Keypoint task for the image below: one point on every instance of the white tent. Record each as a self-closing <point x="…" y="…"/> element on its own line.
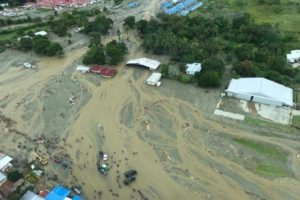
<point x="154" y="79"/>
<point x="41" y="33"/>
<point x="261" y="90"/>
<point x="294" y="56"/>
<point x="4" y="161"/>
<point x="31" y="196"/>
<point x="146" y="62"/>
<point x="82" y="69"/>
<point x="192" y="68"/>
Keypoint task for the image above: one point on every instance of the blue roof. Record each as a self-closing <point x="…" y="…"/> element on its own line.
<point x="58" y="193"/>
<point x="76" y="197"/>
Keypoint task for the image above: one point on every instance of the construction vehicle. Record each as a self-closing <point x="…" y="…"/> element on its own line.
<point x="43" y="161"/>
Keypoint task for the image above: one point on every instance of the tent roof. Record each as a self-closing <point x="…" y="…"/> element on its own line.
<point x="31" y="196"/>
<point x="4" y="160"/>
<point x="154" y="78"/>
<point x="58" y="193"/>
<point x="2" y="176"/>
<point x="146" y="62"/>
<point x="193" y="67"/>
<point x="262" y="87"/>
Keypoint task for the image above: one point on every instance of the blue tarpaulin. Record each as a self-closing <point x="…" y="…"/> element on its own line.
<point x="58" y="193"/>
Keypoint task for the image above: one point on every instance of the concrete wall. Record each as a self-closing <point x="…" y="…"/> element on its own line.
<point x="257" y="99"/>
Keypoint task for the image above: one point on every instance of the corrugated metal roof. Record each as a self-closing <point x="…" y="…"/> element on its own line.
<point x="262" y="87"/>
<point x="4" y="161"/>
<point x="146" y="62"/>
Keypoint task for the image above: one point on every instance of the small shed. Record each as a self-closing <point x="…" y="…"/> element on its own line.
<point x="41" y="33"/>
<point x="154" y="79"/>
<point x="82" y="68"/>
<point x="294" y="56"/>
<point x="192" y="68"/>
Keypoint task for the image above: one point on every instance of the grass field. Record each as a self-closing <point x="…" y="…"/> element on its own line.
<point x="267" y="150"/>
<point x="296" y="121"/>
<point x="271" y="171"/>
<point x="269" y="160"/>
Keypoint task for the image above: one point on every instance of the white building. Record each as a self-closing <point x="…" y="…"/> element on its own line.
<point x="260" y="90"/>
<point x="82" y="69"/>
<point x="146" y="62"/>
<point x="41" y="33"/>
<point x="192" y="68"/>
<point x="5" y="161"/>
<point x="293" y="57"/>
<point x="154" y="79"/>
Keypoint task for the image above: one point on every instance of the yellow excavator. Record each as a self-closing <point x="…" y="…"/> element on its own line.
<point x="43" y="161"/>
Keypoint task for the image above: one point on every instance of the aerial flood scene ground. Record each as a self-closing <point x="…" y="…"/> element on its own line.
<point x="149" y="99"/>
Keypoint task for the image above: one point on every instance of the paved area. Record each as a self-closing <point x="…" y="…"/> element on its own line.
<point x="277" y="114"/>
<point x="229" y="115"/>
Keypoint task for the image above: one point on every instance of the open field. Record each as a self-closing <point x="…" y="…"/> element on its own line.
<point x="285" y="15"/>
<point x="168" y="134"/>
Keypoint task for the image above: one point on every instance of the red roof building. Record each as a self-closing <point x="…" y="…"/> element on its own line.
<point x="107" y="72"/>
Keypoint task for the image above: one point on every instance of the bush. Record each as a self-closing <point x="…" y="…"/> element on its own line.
<point x="14" y="176"/>
<point x="184" y="78"/>
<point x="95" y="55"/>
<point x="164" y="70"/>
<point x="209" y="79"/>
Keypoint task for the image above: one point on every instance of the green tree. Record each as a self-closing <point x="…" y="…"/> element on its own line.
<point x="95" y="55"/>
<point x="129" y="22"/>
<point x="41" y="45"/>
<point x="14" y="176"/>
<point x="115" y="52"/>
<point x="164" y="70"/>
<point x="213" y="64"/>
<point x="25" y="44"/>
<point x="209" y="79"/>
<point x="245" y="68"/>
<point x="55" y="49"/>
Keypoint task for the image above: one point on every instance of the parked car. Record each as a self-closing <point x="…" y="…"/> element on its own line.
<point x="103" y="156"/>
<point x="130" y="173"/>
<point x="129" y="180"/>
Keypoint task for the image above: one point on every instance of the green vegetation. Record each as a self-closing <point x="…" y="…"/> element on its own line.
<point x="263" y="123"/>
<point x="254" y="49"/>
<point x="14" y="176"/>
<point x="271" y="171"/>
<point x="296" y="121"/>
<point x="41" y="45"/>
<point x="115" y="52"/>
<point x="129" y="22"/>
<point x="267" y="159"/>
<point x="117" y="2"/>
<point x="101" y="24"/>
<point x="267" y="150"/>
<point x="112" y="54"/>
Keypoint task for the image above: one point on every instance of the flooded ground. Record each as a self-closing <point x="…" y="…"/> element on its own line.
<point x="168" y="134"/>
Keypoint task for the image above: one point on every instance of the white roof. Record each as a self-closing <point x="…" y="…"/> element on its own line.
<point x="262" y="87"/>
<point x="192" y="68"/>
<point x="31" y="196"/>
<point x="4" y="161"/>
<point x="295" y="54"/>
<point x="82" y="68"/>
<point x="146" y="62"/>
<point x="42" y="33"/>
<point x="2" y="177"/>
<point x="154" y="78"/>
